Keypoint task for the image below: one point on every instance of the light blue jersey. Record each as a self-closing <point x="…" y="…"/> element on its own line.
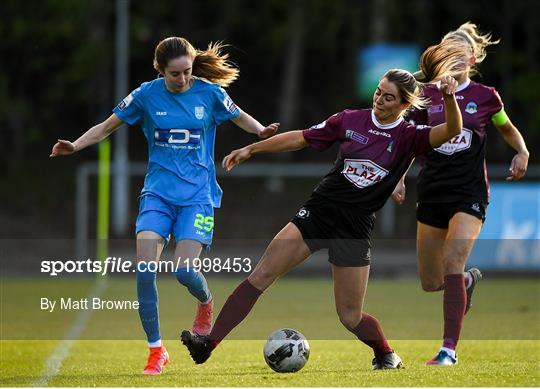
<point x="180" y="129"/>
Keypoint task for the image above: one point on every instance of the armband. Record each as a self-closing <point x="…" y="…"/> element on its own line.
<point x="500" y="118"/>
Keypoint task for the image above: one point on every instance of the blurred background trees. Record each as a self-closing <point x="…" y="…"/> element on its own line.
<point x="297" y="61"/>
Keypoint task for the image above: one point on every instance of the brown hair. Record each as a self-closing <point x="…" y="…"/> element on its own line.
<point x="477" y="42"/>
<point x="444" y="59"/>
<point x="211" y="64"/>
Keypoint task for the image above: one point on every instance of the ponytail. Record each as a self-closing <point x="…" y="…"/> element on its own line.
<point x="468" y="33"/>
<point x="214" y="66"/>
<point x="444" y="59"/>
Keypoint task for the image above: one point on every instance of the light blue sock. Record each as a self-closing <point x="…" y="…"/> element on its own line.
<point x="147" y="295"/>
<point x="195" y="282"/>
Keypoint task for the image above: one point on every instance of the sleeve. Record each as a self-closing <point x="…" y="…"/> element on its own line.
<point x="420" y="139"/>
<point x="224" y="108"/>
<point x="495" y="103"/>
<point x="130" y="109"/>
<point x="323" y="135"/>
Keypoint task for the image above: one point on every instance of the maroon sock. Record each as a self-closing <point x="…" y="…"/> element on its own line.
<point x="455" y="300"/>
<point x="370" y="332"/>
<point x="236" y="308"/>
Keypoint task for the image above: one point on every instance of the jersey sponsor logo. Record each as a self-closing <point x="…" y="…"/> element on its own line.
<point x="126" y="102"/>
<point x="230" y="105"/>
<point x="199" y="112"/>
<point x="302" y="213"/>
<point x="178" y="138"/>
<point x="471" y="107"/>
<point x="318" y="126"/>
<point x="356" y="137"/>
<point x="390" y="146"/>
<point x="379" y="133"/>
<point x="363" y="172"/>
<point x="456" y="144"/>
<point x="435" y="108"/>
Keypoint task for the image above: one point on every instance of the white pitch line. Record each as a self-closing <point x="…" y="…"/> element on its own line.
<point x="53" y="364"/>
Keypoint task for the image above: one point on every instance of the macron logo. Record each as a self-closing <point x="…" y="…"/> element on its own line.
<point x="380" y="133"/>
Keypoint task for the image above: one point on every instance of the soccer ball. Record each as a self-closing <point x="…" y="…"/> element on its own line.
<point x="286" y="350"/>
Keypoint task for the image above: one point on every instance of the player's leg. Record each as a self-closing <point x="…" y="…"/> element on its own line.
<point x="431" y="230"/>
<point x="350" y="284"/>
<point x="149" y="247"/>
<point x="286" y="250"/>
<point x="429" y="248"/>
<point x="193" y="229"/>
<point x="463" y="230"/>
<point x="153" y="226"/>
<point x="196" y="284"/>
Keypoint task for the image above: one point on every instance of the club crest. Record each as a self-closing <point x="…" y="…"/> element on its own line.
<point x="199" y="112"/>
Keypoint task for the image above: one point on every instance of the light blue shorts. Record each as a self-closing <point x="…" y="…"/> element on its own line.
<point x="192" y="222"/>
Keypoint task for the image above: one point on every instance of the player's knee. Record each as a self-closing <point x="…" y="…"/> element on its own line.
<point x="262" y="279"/>
<point x="185" y="276"/>
<point x="146" y="276"/>
<point x="350" y="317"/>
<point x="432" y="285"/>
<point x="455" y="256"/>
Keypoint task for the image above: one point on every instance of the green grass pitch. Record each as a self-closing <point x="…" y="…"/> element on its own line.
<point x="500" y="345"/>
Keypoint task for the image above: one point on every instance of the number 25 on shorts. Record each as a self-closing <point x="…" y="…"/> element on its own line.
<point x="204" y="223"/>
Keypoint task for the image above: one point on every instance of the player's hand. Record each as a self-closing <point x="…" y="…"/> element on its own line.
<point x="518" y="167"/>
<point x="62" y="147"/>
<point x="236" y="157"/>
<point x="398" y="195"/>
<point x="267" y="132"/>
<point x="448" y="85"/>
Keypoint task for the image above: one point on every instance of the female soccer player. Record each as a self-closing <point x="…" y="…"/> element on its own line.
<point x="376" y="147"/>
<point x="178" y="113"/>
<point x="453" y="189"/>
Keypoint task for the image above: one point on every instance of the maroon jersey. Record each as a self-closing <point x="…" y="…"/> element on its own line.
<point x="456" y="171"/>
<point x="372" y="157"/>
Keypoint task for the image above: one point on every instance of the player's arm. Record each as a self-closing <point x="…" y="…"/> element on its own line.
<point x="514" y="139"/>
<point x="249" y="124"/>
<point x="399" y="193"/>
<point x="288" y="141"/>
<point x="453" y="120"/>
<point x="94" y="135"/>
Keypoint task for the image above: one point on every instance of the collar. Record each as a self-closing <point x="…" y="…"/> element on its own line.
<point x="386" y="126"/>
<point x="464" y="85"/>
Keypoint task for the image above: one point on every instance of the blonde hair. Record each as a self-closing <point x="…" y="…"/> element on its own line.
<point x="477" y="42"/>
<point x="210" y="64"/>
<point x="444" y="59"/>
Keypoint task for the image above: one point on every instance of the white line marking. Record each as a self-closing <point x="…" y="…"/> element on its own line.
<point x="53" y="364"/>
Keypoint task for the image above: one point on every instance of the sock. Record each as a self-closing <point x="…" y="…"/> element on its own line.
<point x="370" y="332"/>
<point x="236" y="308"/>
<point x="195" y="282"/>
<point x="455" y="300"/>
<point x="449" y="351"/>
<point x="147" y="296"/>
<point x="154" y="344"/>
<point x="468" y="279"/>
